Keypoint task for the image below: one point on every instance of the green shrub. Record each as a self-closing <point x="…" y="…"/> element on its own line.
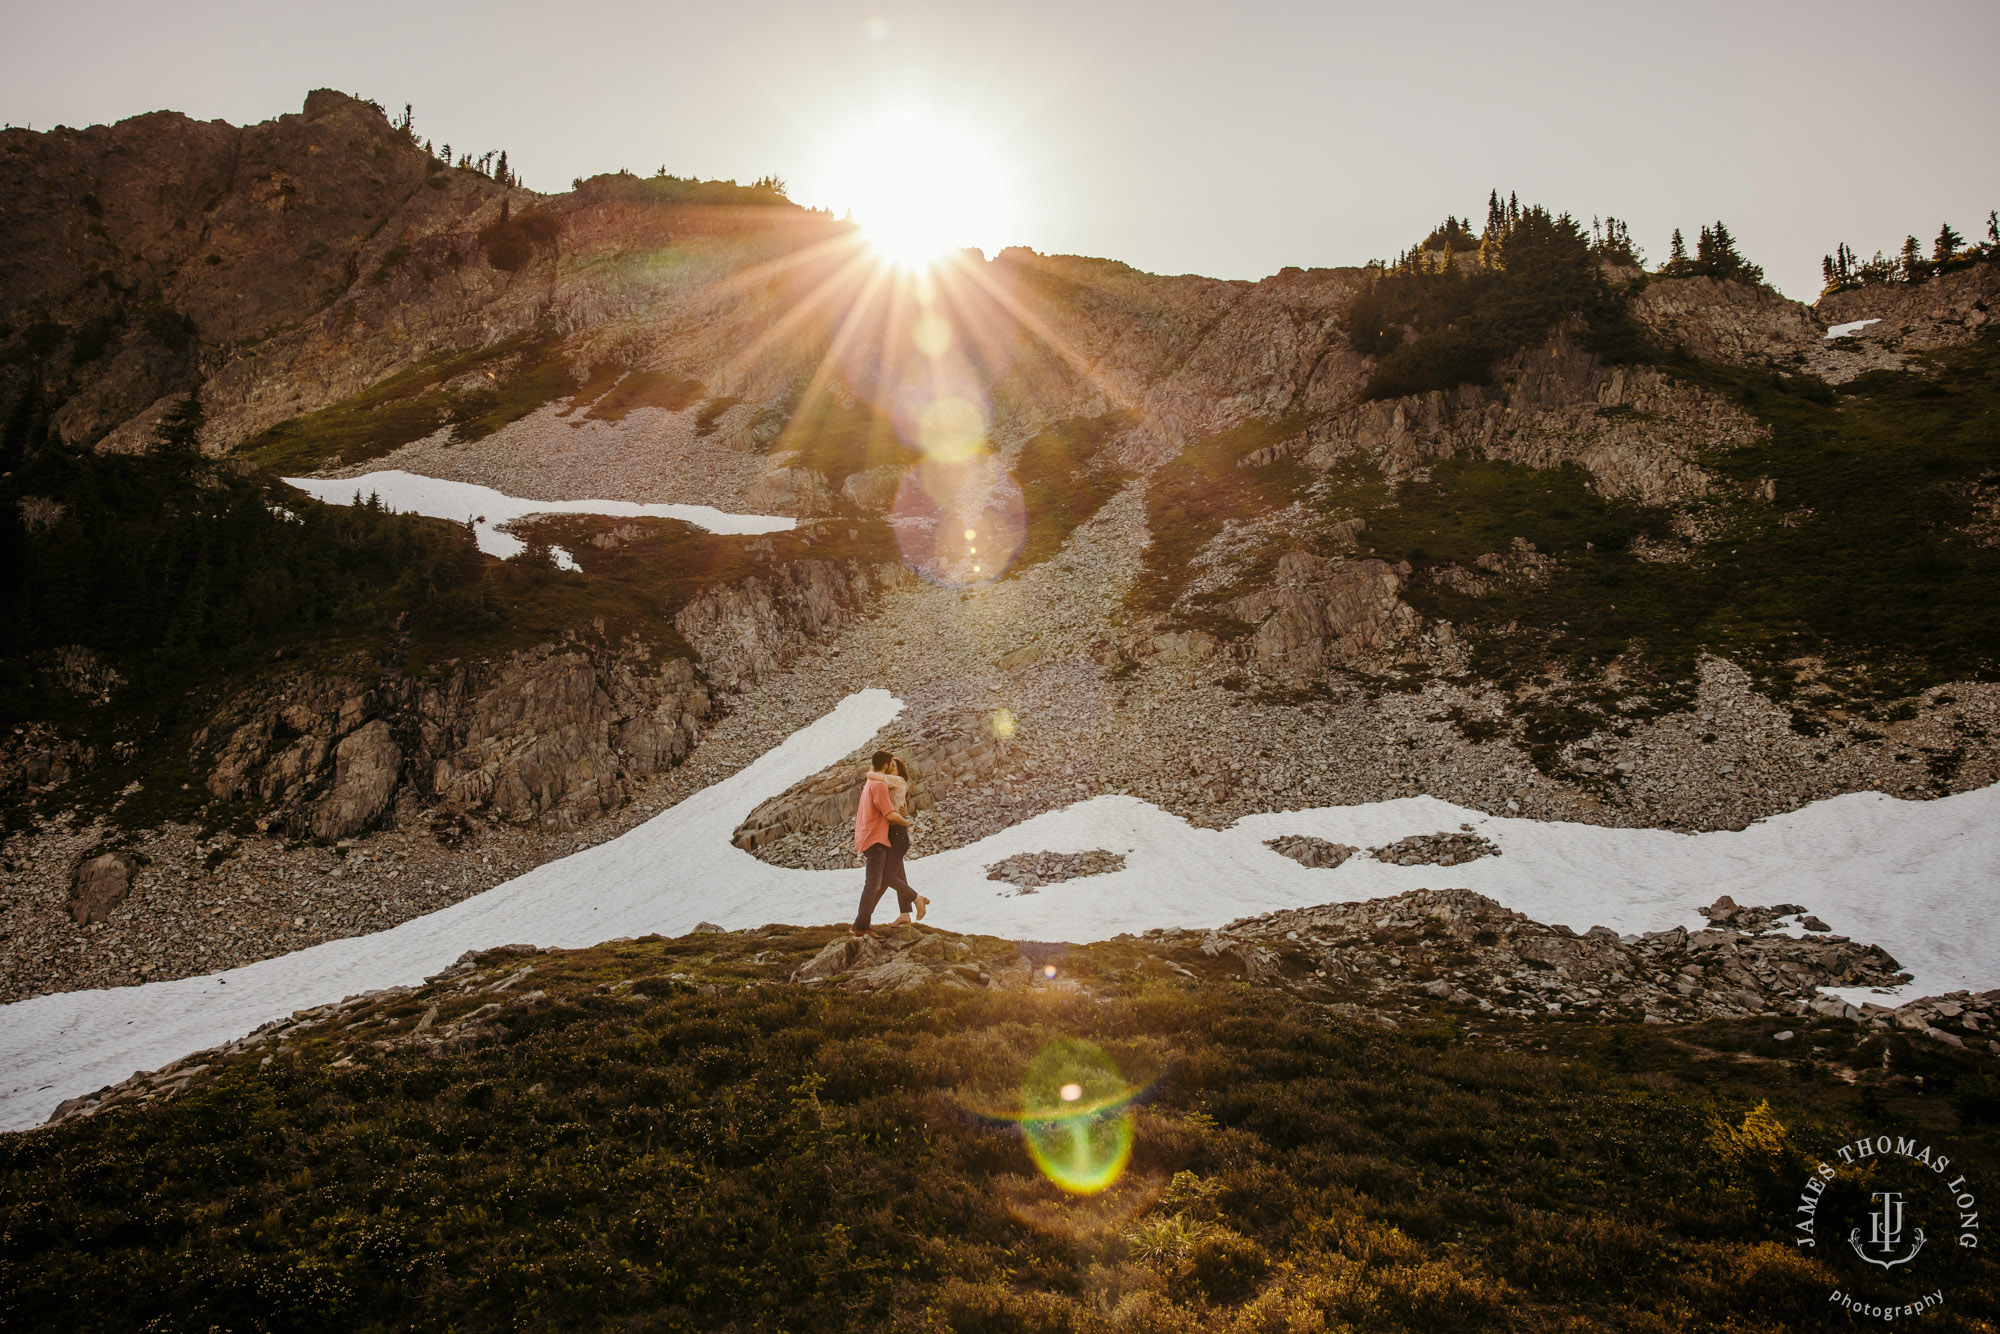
<point x="510" y="243"/>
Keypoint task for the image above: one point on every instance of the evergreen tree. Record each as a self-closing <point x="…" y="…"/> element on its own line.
<point x="1496" y="217"/>
<point x="1911" y="260"/>
<point x="1945" y="248"/>
<point x="179" y="431"/>
<point x="1838" y="269"/>
<point x="1616" y="242"/>
<point x="1993" y="226"/>
<point x="500" y="171"/>
<point x="445" y="157"/>
<point x="1677" y="253"/>
<point x="1878" y="270"/>
<point x="1716" y="256"/>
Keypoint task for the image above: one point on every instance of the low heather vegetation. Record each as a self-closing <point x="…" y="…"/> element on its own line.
<point x="669" y="1137"/>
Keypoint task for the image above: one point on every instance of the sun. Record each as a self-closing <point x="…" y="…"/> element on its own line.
<point x="920" y="187"/>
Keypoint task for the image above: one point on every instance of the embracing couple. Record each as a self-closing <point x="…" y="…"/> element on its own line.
<point x="882" y="837"/>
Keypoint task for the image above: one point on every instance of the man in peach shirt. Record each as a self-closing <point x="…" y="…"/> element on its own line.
<point x="871" y="839"/>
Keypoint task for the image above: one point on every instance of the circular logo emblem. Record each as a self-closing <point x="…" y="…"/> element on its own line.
<point x="1894" y="1217"/>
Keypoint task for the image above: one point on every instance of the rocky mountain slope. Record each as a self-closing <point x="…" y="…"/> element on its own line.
<point x="1674" y="557"/>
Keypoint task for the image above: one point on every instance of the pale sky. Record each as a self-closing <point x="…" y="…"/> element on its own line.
<point x="1230" y="140"/>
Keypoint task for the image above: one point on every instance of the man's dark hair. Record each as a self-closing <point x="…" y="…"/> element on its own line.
<point x="880" y="760"/>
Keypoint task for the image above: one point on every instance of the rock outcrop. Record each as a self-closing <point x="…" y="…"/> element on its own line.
<point x="1321" y="613"/>
<point x="1947" y="309"/>
<point x="940" y="759"/>
<point x="748" y="630"/>
<point x="231" y="238"/>
<point x="1731" y="322"/>
<point x="906" y="958"/>
<point x="555" y="736"/>
<point x="367" y="766"/>
<point x="800" y="491"/>
<point x="1636" y="430"/>
<point x="101" y="884"/>
<point x="38" y="755"/>
<point x="1461" y="947"/>
<point x="1319" y="853"/>
<point x="873" y="490"/>
<point x="1883" y="323"/>
<point x="550" y="736"/>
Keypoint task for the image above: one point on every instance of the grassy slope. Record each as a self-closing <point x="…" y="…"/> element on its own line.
<point x="524" y="373"/>
<point x="413" y="403"/>
<point x="1188" y="503"/>
<point x="1063" y="483"/>
<point x="772" y="1157"/>
<point x="1859" y="561"/>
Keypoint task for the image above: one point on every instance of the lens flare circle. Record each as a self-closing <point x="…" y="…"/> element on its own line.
<point x="1076" y="1116"/>
<point x="951" y="429"/>
<point x="943" y="498"/>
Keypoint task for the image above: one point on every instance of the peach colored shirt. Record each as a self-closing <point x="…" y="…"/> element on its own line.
<point x="871" y="818"/>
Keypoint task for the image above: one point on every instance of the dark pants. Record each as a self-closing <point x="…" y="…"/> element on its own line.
<point x="899" y="847"/>
<point x="876" y="861"/>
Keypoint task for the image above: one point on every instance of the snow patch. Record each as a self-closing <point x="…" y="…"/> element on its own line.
<point x="1915" y="877"/>
<point x="1853" y="326"/>
<point x="491" y="511"/>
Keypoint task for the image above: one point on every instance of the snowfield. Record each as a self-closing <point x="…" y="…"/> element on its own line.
<point x="1852" y="326"/>
<point x="490" y="510"/>
<point x="1917" y="878"/>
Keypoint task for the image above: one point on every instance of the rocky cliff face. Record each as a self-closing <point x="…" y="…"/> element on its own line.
<point x="1320" y="614"/>
<point x="1637" y="430"/>
<point x="1725" y="321"/>
<point x="1938" y="313"/>
<point x="551" y="736"/>
<point x="289" y="265"/>
<point x="189" y="244"/>
<point x="748" y="630"/>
